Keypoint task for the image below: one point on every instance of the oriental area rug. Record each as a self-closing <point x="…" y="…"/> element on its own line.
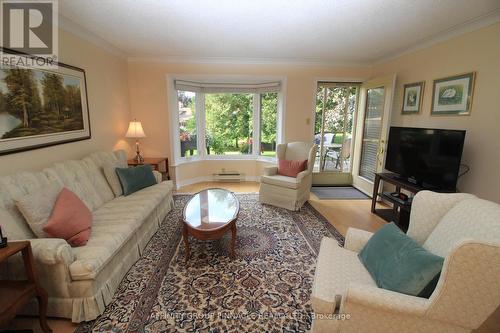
<point x="266" y="288"/>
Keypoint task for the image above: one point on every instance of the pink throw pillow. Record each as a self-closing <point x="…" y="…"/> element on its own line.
<point x="70" y="219"/>
<point x="291" y="168"/>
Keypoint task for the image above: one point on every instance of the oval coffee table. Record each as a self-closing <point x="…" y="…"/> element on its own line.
<point x="209" y="214"/>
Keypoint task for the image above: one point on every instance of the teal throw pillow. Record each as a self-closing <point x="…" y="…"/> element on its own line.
<point x="396" y="262"/>
<point x="136" y="178"/>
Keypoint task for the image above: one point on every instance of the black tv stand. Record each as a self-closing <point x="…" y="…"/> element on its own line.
<point x="400" y="211"/>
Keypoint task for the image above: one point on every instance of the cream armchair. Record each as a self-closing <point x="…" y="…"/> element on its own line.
<point x="461" y="228"/>
<point x="288" y="192"/>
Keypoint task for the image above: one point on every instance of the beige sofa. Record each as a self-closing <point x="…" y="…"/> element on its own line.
<point x="288" y="192"/>
<point x="81" y="281"/>
<point x="461" y="228"/>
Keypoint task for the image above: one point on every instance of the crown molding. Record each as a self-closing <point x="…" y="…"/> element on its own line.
<point x="455" y="31"/>
<point x="244" y="61"/>
<point x="70" y="26"/>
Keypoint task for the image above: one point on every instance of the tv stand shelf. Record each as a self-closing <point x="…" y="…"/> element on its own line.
<point x="400" y="211"/>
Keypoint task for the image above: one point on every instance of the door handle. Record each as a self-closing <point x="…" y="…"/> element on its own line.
<point x="380" y="152"/>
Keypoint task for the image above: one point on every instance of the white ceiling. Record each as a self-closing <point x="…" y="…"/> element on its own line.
<point x="323" y="31"/>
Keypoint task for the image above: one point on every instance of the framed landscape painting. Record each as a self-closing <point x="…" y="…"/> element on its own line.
<point x="41" y="107"/>
<point x="412" y="97"/>
<point x="453" y="95"/>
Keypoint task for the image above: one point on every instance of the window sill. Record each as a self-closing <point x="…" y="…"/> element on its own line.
<point x="221" y="158"/>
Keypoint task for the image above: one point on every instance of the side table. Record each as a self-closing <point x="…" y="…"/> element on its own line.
<point x="155" y="162"/>
<point x="15" y="294"/>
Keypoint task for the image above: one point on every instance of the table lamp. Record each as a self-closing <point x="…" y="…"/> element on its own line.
<point x="135" y="131"/>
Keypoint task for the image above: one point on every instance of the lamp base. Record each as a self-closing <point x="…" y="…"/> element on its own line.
<point x="138" y="158"/>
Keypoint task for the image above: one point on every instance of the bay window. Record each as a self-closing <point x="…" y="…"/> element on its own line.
<point x="226" y="120"/>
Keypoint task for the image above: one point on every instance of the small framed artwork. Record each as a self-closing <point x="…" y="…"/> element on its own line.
<point x="453" y="95"/>
<point x="41" y="107"/>
<point x="412" y="97"/>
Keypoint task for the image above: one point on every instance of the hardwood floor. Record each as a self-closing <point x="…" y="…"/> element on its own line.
<point x="342" y="214"/>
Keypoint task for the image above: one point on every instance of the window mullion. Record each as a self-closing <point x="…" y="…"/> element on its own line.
<point x="176" y="131"/>
<point x="256" y="125"/>
<point x="200" y="124"/>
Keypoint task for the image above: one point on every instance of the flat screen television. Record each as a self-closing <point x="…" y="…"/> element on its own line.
<point x="426" y="156"/>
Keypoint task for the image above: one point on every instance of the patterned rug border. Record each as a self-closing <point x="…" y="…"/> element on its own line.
<point x="144" y="306"/>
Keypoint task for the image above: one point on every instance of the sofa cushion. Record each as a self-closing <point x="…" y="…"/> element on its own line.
<point x="336" y="268"/>
<point x="74" y="176"/>
<point x="396" y="262"/>
<point x="282" y="181"/>
<point x="114" y="223"/>
<point x="112" y="178"/>
<point x="12" y="188"/>
<point x="37" y="207"/>
<point x="136" y="178"/>
<point x="70" y="219"/>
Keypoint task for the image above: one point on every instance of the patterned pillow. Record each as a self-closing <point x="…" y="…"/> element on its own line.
<point x="37" y="207"/>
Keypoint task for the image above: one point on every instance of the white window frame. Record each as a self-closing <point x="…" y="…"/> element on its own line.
<point x="173" y="110"/>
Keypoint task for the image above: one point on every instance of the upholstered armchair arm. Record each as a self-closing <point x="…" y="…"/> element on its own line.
<point x="469" y="282"/>
<point x="356" y="239"/>
<point x="312" y="158"/>
<point x="302" y="174"/>
<point x="379" y="299"/>
<point x="51" y="251"/>
<point x="158" y="176"/>
<point x="427" y="209"/>
<point x="270" y="170"/>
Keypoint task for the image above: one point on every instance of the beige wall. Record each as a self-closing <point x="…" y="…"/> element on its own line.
<point x="149" y="103"/>
<point x="107" y="90"/>
<point x="477" y="51"/>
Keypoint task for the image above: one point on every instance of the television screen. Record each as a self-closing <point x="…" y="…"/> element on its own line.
<point x="429" y="157"/>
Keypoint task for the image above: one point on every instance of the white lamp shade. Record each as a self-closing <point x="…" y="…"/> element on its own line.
<point x="135" y="130"/>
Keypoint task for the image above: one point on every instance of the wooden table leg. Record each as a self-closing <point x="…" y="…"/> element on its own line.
<point x="233" y="240"/>
<point x="41" y="294"/>
<point x="42" y="310"/>
<point x="185" y="235"/>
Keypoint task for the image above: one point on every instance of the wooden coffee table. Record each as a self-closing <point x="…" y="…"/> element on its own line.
<point x="209" y="214"/>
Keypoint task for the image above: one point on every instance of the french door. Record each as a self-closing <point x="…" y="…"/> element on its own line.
<point x="372" y="126"/>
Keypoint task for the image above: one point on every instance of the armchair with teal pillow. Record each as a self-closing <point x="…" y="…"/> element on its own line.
<point x="396" y="262"/>
<point x="461" y="228"/>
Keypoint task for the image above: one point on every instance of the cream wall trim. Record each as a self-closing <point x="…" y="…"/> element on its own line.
<point x="460" y="29"/>
<point x="76" y="29"/>
<point x="244" y="61"/>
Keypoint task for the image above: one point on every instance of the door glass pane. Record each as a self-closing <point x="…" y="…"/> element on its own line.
<point x="371" y="132"/>
<point x="229" y="123"/>
<point x="268" y="123"/>
<point x="335" y="143"/>
<point x="318" y="123"/>
<point x="187" y="123"/>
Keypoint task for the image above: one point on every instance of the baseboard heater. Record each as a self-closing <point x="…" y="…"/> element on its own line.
<point x="229" y="176"/>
